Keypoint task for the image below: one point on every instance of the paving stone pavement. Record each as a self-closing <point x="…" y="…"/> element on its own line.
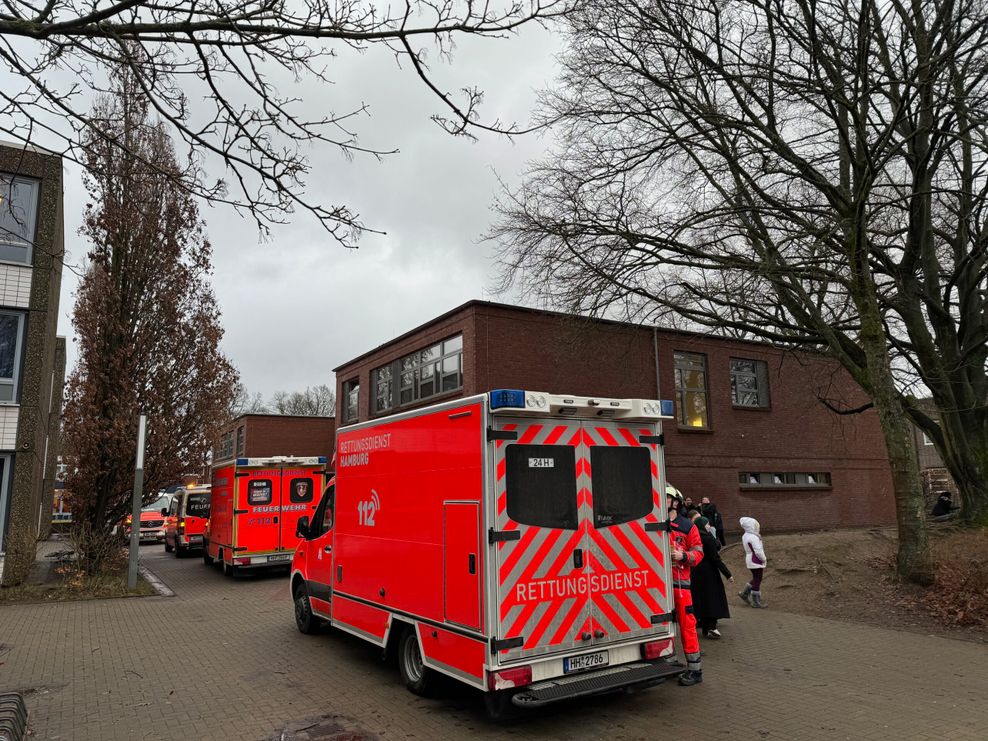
<point x="223" y="660"/>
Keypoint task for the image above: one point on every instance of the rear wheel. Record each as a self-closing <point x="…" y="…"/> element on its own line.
<point x="229" y="569"/>
<point x="416" y="676"/>
<point x="180" y="551"/>
<point x="305" y="621"/>
<point x="206" y="558"/>
<point x="499" y="706"/>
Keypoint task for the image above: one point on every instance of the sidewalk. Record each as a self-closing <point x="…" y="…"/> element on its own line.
<point x="223" y="660"/>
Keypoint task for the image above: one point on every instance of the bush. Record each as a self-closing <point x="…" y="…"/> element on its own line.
<point x="960" y="596"/>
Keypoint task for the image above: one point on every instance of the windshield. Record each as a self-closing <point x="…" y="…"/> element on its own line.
<point x="158" y="504"/>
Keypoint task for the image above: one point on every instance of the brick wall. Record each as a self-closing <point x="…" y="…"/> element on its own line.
<point x="507" y="347"/>
<point x="268" y="434"/>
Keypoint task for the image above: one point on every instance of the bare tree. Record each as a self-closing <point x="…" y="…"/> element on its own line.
<point x="216" y="72"/>
<point x="245" y="402"/>
<point x="811" y="173"/>
<point x="315" y="401"/>
<point x="147" y="324"/>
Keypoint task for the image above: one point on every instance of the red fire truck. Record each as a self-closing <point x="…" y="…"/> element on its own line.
<point x="186" y="518"/>
<point x="254" y="509"/>
<point x="516" y="541"/>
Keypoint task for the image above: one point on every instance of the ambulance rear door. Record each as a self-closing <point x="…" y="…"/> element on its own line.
<point x="258" y="509"/>
<point x="628" y="544"/>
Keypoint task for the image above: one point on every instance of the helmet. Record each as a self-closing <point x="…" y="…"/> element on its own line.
<point x="672" y="491"/>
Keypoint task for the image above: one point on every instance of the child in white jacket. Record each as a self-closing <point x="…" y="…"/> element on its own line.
<point x="754" y="555"/>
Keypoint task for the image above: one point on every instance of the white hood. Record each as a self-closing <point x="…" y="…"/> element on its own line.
<point x="749" y="525"/>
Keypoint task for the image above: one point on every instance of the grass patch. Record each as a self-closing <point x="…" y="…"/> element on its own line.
<point x="94" y="587"/>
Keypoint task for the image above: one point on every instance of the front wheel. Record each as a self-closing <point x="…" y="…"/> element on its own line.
<point x="416" y="676"/>
<point x="206" y="558"/>
<point x="305" y="621"/>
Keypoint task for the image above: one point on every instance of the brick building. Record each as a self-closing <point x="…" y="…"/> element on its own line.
<point x="752" y="432"/>
<point x="263" y="435"/>
<point x="32" y="357"/>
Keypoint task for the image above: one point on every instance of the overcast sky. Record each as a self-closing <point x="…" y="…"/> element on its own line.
<point x="299" y="305"/>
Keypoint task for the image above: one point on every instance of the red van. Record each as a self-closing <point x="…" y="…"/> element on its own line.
<point x="515" y="541"/>
<point x="185" y="520"/>
<point x="255" y="506"/>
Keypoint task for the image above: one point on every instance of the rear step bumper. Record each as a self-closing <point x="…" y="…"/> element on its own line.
<point x="637" y="675"/>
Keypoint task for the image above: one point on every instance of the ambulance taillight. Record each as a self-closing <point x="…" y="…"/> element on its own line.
<point x="505" y="679"/>
<point x="656" y="649"/>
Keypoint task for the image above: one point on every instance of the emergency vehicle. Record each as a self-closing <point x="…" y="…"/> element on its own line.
<point x="185" y="519"/>
<point x="516" y="541"/>
<point x="255" y="506"/>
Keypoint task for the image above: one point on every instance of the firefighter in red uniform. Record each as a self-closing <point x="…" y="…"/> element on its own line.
<point x="687" y="552"/>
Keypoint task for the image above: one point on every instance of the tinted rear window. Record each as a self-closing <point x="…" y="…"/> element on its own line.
<point x="622" y="484"/>
<point x="197" y="505"/>
<point x="259" y="492"/>
<point x="541" y="485"/>
<point x="300" y="491"/>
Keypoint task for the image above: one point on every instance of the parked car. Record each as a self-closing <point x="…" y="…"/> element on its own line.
<point x="185" y="519"/>
<point x="152" y="521"/>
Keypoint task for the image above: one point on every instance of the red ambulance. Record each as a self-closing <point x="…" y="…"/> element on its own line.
<point x="185" y="519"/>
<point x="255" y="506"/>
<point x="516" y="541"/>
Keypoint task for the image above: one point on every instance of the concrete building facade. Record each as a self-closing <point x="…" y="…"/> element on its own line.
<point x="32" y="357"/>
<point x="753" y="431"/>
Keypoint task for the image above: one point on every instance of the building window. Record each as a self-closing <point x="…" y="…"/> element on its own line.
<point x="691" y="390"/>
<point x="787" y="480"/>
<point x="351" y="397"/>
<point x="424" y="373"/>
<point x="224" y="451"/>
<point x="383" y="389"/>
<point x="11" y="340"/>
<point x="749" y="383"/>
<point x="18" y="215"/>
<point x="241" y="439"/>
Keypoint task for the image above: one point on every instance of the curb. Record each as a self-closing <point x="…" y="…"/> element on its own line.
<point x="159" y="586"/>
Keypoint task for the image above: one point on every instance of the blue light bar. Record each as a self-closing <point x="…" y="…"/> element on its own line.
<point x="668" y="408"/>
<point x="242" y="461"/>
<point x="322" y="459"/>
<point x="507" y="398"/>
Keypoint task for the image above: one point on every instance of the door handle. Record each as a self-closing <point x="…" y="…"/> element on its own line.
<point x="577" y="558"/>
<point x="472" y="563"/>
<point x="327" y="549"/>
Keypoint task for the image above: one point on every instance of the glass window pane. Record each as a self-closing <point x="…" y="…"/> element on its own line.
<point x="451" y="364"/>
<point x="695" y="409"/>
<point x="9" y="325"/>
<point x="197" y="505"/>
<point x="451" y="382"/>
<point x="18" y="210"/>
<point x="540" y="482"/>
<point x="6" y="391"/>
<point x="259" y="492"/>
<point x="622" y="484"/>
<point x="301" y="491"/>
<point x="453" y="344"/>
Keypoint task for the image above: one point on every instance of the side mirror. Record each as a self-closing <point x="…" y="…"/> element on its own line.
<point x="164" y="511"/>
<point x="302" y="527"/>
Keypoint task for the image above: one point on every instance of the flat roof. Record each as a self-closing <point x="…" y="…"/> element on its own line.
<point x="477" y="303"/>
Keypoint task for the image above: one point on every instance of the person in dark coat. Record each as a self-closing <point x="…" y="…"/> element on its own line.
<point x="706" y="585"/>
<point x="709" y="510"/>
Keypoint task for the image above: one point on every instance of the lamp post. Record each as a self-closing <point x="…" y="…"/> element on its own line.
<point x="135" y="519"/>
